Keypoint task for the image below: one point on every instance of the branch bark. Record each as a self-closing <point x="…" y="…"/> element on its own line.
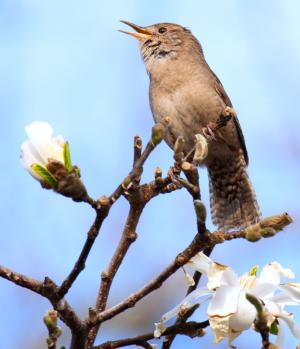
<point x="102" y="213"/>
<point x="128" y="237"/>
<point x="191" y="328"/>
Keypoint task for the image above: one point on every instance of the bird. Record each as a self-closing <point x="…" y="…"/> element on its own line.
<point x="184" y="89"/>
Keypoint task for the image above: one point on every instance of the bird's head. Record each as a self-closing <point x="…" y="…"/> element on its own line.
<point x="163" y="41"/>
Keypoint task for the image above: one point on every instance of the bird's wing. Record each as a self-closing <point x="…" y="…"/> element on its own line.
<point x="222" y="93"/>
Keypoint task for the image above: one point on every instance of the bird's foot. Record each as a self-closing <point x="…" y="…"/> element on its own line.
<point x="225" y="116"/>
<point x="210" y="131"/>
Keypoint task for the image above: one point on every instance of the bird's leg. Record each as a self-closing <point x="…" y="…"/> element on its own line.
<point x="211" y="130"/>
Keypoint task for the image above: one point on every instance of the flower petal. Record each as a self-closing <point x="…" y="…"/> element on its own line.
<point x="288" y="318"/>
<point x="280" y="337"/>
<point x="292" y="289"/>
<point x="220" y="327"/>
<point x="272" y="307"/>
<point x="200" y="262"/>
<point x="188" y="302"/>
<point x="215" y="274"/>
<point x="282" y="299"/>
<point x="271" y="273"/>
<point x="42" y="142"/>
<point x="263" y="290"/>
<point x="190" y="280"/>
<point x="224" y="302"/>
<point x="28" y="158"/>
<point x="244" y="316"/>
<point x="212" y="270"/>
<point x="229" y="278"/>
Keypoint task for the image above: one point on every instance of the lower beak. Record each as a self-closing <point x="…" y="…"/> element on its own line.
<point x="141" y="33"/>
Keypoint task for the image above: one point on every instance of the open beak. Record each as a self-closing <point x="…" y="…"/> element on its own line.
<point x="141" y="33"/>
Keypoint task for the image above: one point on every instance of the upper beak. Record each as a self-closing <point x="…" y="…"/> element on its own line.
<point x="141" y="33"/>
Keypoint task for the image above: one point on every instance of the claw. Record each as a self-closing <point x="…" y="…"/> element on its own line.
<point x="209" y="132"/>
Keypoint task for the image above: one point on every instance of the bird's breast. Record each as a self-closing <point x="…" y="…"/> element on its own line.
<point x="189" y="107"/>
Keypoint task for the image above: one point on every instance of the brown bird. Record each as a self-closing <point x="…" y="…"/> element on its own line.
<point x="185" y="89"/>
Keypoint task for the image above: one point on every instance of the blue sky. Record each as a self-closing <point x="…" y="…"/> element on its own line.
<point x="65" y="62"/>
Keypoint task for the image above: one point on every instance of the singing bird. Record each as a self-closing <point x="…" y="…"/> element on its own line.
<point x="185" y="89"/>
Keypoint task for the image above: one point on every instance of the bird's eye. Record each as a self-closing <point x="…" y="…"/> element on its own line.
<point x="162" y="30"/>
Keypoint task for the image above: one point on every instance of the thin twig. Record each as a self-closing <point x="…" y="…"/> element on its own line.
<point x="134" y="172"/>
<point x="80" y="263"/>
<point x="47" y="289"/>
<point x="200" y="242"/>
<point x="154" y="284"/>
<point x="137" y="149"/>
<point x="22" y="280"/>
<point x="128" y="235"/>
<point x="188" y="328"/>
<point x="127" y="238"/>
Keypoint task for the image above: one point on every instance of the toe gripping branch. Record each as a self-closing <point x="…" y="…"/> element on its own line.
<point x="210" y="131"/>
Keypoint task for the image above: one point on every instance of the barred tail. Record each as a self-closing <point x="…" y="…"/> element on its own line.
<point x="232" y="198"/>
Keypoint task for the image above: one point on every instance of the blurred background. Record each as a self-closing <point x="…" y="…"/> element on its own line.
<point x="65" y="62"/>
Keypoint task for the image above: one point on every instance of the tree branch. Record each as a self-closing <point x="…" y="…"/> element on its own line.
<point x="155" y="283"/>
<point x="199" y="243"/>
<point x="191" y="328"/>
<point x="22" y="280"/>
<point x="137" y="204"/>
<point x="102" y="213"/>
<point x="127" y="238"/>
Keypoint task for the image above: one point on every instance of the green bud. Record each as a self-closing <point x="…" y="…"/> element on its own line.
<point x="126" y="182"/>
<point x="50" y="319"/>
<point x="200" y="210"/>
<point x="252" y="233"/>
<point x="277" y="222"/>
<point x="158" y="132"/>
<point x="178" y="149"/>
<point x="58" y="332"/>
<point x="267" y="232"/>
<point x="274" y="328"/>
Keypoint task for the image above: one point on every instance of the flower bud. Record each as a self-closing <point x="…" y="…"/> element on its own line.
<point x="178" y="149"/>
<point x="267" y="232"/>
<point x="48" y="160"/>
<point x="200" y="210"/>
<point x="277" y="222"/>
<point x="50" y="319"/>
<point x="127" y="181"/>
<point x="252" y="233"/>
<point x="158" y="132"/>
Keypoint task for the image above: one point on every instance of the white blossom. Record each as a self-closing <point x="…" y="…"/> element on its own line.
<point x="41" y="147"/>
<point x="229" y="312"/>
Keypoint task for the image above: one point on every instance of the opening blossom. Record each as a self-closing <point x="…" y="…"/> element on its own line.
<point x="229" y="312"/>
<point x="47" y="159"/>
<point x="40" y="148"/>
